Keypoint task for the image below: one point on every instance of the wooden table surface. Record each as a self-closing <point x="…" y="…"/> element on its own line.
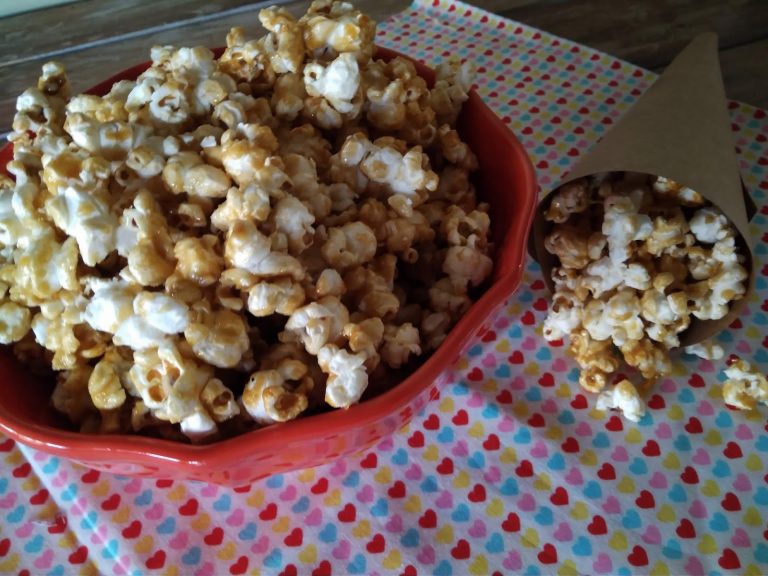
<point x="95" y="38"/>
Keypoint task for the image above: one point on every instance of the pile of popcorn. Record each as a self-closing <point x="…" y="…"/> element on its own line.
<point x="238" y="240"/>
<point x="640" y="257"/>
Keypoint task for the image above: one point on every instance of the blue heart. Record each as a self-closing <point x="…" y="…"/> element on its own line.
<point x="429" y="484"/>
<point x="682" y="443"/>
<point x="725" y="337"/>
<point x="223" y="503"/>
<point x="328" y="534"/>
<point x="491" y="411"/>
<point x="400" y="457"/>
<point x="144" y="498"/>
<point x="446" y="435"/>
<point x="410" y="539"/>
<point x="686" y="396"/>
<point x="677" y="494"/>
<point x="592" y="490"/>
<point x="509" y="488"/>
<point x="582" y="546"/>
<point x="381" y="508"/>
<point x="476" y="461"/>
<point x="475" y="350"/>
<point x="760" y="319"/>
<point x="274" y="559"/>
<point x="352" y="480"/>
<point x="761" y="496"/>
<point x="444" y="569"/>
<point x="69" y="493"/>
<point x="460" y="514"/>
<point x="167" y="526"/>
<point x="719" y="523"/>
<point x="760" y="283"/>
<point x="525" y="296"/>
<point x="89" y="521"/>
<point x="302" y="504"/>
<point x="601" y="440"/>
<point x="515" y="332"/>
<point x="522" y="436"/>
<point x="566" y="418"/>
<point x="35" y="545"/>
<point x="533" y="395"/>
<point x="3" y="485"/>
<point x="544" y="516"/>
<point x="624" y="571"/>
<point x="532" y="570"/>
<point x="460" y="389"/>
<point x="638" y="466"/>
<point x="358" y="565"/>
<point x="762" y="443"/>
<point x="761" y="553"/>
<point x="495" y="543"/>
<point x="761" y="355"/>
<point x="191" y="556"/>
<point x="275" y="481"/>
<point x="16" y="516"/>
<point x="58" y="570"/>
<point x="631" y="520"/>
<point x="249" y="532"/>
<point x="503" y="371"/>
<point x="543" y="354"/>
<point x="556" y="462"/>
<point x="573" y="375"/>
<point x="721" y="469"/>
<point x="51" y="466"/>
<point x="724" y="420"/>
<point x="111" y="551"/>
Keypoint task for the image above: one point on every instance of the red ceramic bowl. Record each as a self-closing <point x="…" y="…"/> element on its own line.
<point x="505" y="180"/>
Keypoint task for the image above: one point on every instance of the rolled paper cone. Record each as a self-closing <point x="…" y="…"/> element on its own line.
<point x="679" y="129"/>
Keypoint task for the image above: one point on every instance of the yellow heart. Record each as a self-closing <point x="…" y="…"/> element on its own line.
<point x="9" y="564"/>
<point x="716" y="393"/>
<point x="171" y="571"/>
<point x="596" y="414"/>
<point x="671" y="461"/>
<point x="563" y="391"/>
<point x="306" y="476"/>
<point x="626" y="485"/>
<point x="754" y="463"/>
<point x="362" y="529"/>
<point x="201" y="522"/>
<point x="89" y="570"/>
<point x="554" y="433"/>
<point x="122" y="515"/>
<point x="31" y="483"/>
<point x="579" y="511"/>
<point x="255" y="499"/>
<point x="568" y="569"/>
<point x="479" y="566"/>
<point x="67" y="539"/>
<point x="752" y="517"/>
<point x="633" y="436"/>
<point x="227" y="552"/>
<point x="675" y="412"/>
<point x="588" y="458"/>
<point x="490" y="386"/>
<point x="462" y="479"/>
<point x="393" y="560"/>
<point x="542" y="482"/>
<point x="753" y="415"/>
<point x="532" y="369"/>
<point x="144" y="544"/>
<point x="477" y="430"/>
<point x="520" y="409"/>
<point x="679" y="370"/>
<point x="530" y="538"/>
<point x="618" y="541"/>
<point x="707" y="544"/>
<point x="179" y="491"/>
<point x="431" y="454"/>
<point x="446" y="404"/>
<point x="502" y="346"/>
<point x="101" y="489"/>
<point x="281" y="524"/>
<point x="333" y="498"/>
<point x="514" y="309"/>
<point x="495" y="508"/>
<point x="753" y="332"/>
<point x="713" y="437"/>
<point x="413" y="504"/>
<point x="14" y="458"/>
<point x="308" y="555"/>
<point x="383" y="476"/>
<point x="666" y="513"/>
<point x="462" y="364"/>
<point x="444" y="534"/>
<point x="255" y="572"/>
<point x="710" y="488"/>
<point x="659" y="569"/>
<point x="508" y="456"/>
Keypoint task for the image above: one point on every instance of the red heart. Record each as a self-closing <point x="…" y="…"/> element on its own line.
<point x="489" y="336"/>
<point x="410" y="570"/>
<point x="573" y="152"/>
<point x="537" y="284"/>
<point x="475" y="375"/>
<point x="460" y="418"/>
<point x="39" y="497"/>
<point x="323" y="569"/>
<point x="397" y="490"/>
<point x="5" y="545"/>
<point x="607" y="472"/>
<point x="645" y="500"/>
<point x="446" y="466"/>
<point x="528" y="318"/>
<point x="731" y="502"/>
<point x="524" y="469"/>
<point x="348" y="513"/>
<point x="689" y="476"/>
<point x="242" y="489"/>
<point x="516" y="357"/>
<point x="216" y="536"/>
<point x="156" y="561"/>
<point x="548" y="554"/>
<point x="240" y="566"/>
<point x="22" y="471"/>
<point x="656" y="402"/>
<point x="59" y="525"/>
<point x="189" y="508"/>
<point x="651" y="448"/>
<point x="541" y="305"/>
<point x="78" y="556"/>
<point x="512" y="523"/>
<point x="729" y="560"/>
<point x="289" y="570"/>
<point x="732" y="450"/>
<point x="696" y="381"/>
<point x="614" y="424"/>
<point x="542" y="165"/>
<point x="477" y="494"/>
<point x="320" y="487"/>
<point x="693" y="426"/>
<point x="428" y="519"/>
<point x="416" y="440"/>
<point x="536" y="420"/>
<point x="376" y="545"/>
<point x="547" y="380"/>
<point x="570" y="445"/>
<point x="597" y="526"/>
<point x="295" y="538"/>
<point x="370" y="461"/>
<point x="736" y="324"/>
<point x="504" y="397"/>
<point x="638" y="556"/>
<point x="432" y="423"/>
<point x="90" y="477"/>
<point x="111" y="503"/>
<point x="270" y="512"/>
<point x="559" y="497"/>
<point x="579" y="402"/>
<point x="685" y="529"/>
<point x="461" y="551"/>
<point x="7" y="445"/>
<point x="492" y="443"/>
<point x="132" y="530"/>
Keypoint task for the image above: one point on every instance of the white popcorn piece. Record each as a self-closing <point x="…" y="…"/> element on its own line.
<point x="745" y="386"/>
<point x="706" y="349"/>
<point x="162" y="312"/>
<point x="110" y="305"/>
<point x="138" y="334"/>
<point x="709" y="225"/>
<point x="317" y="324"/>
<point x="564" y="317"/>
<point x="15" y="322"/>
<point x="277" y="395"/>
<point x="337" y="83"/>
<point x="347" y="378"/>
<point x="622" y="397"/>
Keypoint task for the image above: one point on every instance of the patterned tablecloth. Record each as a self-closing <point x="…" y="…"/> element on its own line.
<point x="509" y="470"/>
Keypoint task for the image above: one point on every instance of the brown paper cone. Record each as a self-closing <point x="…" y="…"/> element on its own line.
<point x="679" y="129"/>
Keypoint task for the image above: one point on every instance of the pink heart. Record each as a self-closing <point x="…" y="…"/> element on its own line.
<point x="539" y="450"/>
<point x="705" y="366"/>
<point x="445" y="500"/>
<point x="701" y="457"/>
<point x="25" y="529"/>
<point x="385" y="446"/>
<point x="668" y="386"/>
<point x="395" y="524"/>
<point x="341" y="552"/>
<point x="559" y="365"/>
<point x="693" y="567"/>
<point x="134" y="486"/>
<point x="742" y="483"/>
<point x="8" y="500"/>
<point x="658" y="480"/>
<point x="365" y="495"/>
<point x="506" y="424"/>
<point x="603" y="564"/>
<point x="706" y="409"/>
<point x="314" y="518"/>
<point x="743" y="432"/>
<point x="744" y="347"/>
<point x="526" y="503"/>
<point x="236" y="518"/>
<point x="99" y="535"/>
<point x="288" y="494"/>
<point x="574" y="477"/>
<point x="517" y="383"/>
<point x="60" y="479"/>
<point x="477" y="530"/>
<point x="493" y="475"/>
<point x="698" y="509"/>
<point x="460" y="449"/>
<point x="40" y="456"/>
<point x="512" y="561"/>
<point x="501" y="323"/>
<point x="155" y="512"/>
<point x="413" y="472"/>
<point x="475" y="400"/>
<point x="79" y="507"/>
<point x="261" y="545"/>
<point x="583" y="429"/>
<point x="530" y="344"/>
<point x="179" y="541"/>
<point x="121" y="566"/>
<point x="563" y="532"/>
<point x="612" y="505"/>
<point x="663" y="431"/>
<point x="741" y="538"/>
<point x="652" y="535"/>
<point x="619" y="454"/>
<point x="549" y="406"/>
<point x="209" y="490"/>
<point x="489" y="360"/>
<point x="44" y="562"/>
<point x="205" y="570"/>
<point x="426" y="555"/>
<point x="552" y="155"/>
<point x="536" y="122"/>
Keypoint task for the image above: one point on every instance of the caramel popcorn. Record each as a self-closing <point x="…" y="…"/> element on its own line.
<point x="640" y="258"/>
<point x="289" y="220"/>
